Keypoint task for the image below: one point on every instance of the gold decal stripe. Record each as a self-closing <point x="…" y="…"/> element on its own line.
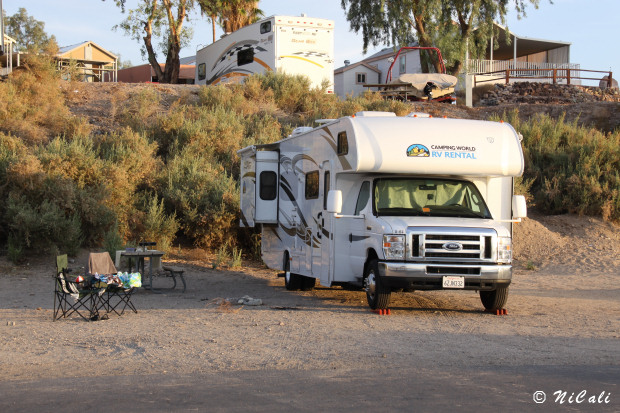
<point x="306" y="60"/>
<point x="265" y="65"/>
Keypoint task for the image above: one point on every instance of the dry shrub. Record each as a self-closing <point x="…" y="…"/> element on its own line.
<point x="204" y="196"/>
<point x="33" y="106"/>
<point x="570" y="168"/>
<point x="140" y="110"/>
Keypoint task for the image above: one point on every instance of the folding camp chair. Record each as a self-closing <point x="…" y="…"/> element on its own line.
<point x="72" y="297"/>
<point x="114" y="295"/>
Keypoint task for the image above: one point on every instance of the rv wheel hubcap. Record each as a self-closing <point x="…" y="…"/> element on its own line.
<point x="287" y="276"/>
<point x="371" y="284"/>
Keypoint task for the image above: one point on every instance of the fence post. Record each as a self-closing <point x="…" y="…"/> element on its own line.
<point x="568" y="76"/>
<point x="469" y="79"/>
<point x="611" y="81"/>
<point x="507" y="76"/>
<point x="555" y="75"/>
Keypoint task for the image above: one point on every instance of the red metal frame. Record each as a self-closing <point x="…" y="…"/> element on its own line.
<point x="441" y="65"/>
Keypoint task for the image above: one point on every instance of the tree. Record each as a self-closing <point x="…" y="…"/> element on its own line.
<point x="162" y="19"/>
<point x="122" y="64"/>
<point x="236" y="14"/>
<point x="28" y="32"/>
<point x="212" y="9"/>
<point x="454" y="26"/>
<point x="231" y="15"/>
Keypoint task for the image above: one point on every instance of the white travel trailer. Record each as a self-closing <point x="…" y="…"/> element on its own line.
<point x="388" y="203"/>
<point x="292" y="45"/>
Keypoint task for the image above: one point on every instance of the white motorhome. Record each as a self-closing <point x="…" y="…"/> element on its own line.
<point x="388" y="203"/>
<point x="292" y="45"/>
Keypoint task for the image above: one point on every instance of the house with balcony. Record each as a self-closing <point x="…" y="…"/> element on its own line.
<point x="91" y="61"/>
<point x="9" y="58"/>
<point x="509" y="57"/>
<point x="521" y="59"/>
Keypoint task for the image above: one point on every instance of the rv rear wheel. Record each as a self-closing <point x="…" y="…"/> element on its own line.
<point x="377" y="293"/>
<point x="292" y="282"/>
<point x="494" y="300"/>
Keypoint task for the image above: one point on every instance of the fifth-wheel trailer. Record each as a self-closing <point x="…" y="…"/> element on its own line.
<point x="292" y="45"/>
<point x="388" y="203"/>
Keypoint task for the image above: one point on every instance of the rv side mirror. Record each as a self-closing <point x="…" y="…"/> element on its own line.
<point x="334" y="201"/>
<point x="519" y="207"/>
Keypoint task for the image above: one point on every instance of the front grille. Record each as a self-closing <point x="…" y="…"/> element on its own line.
<point x="452" y="255"/>
<point x="451" y="244"/>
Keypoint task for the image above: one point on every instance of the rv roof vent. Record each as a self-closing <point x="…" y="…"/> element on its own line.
<point x="300" y="130"/>
<point x="419" y="115"/>
<point x="374" y="114"/>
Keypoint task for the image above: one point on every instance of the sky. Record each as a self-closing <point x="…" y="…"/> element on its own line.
<point x="590" y="27"/>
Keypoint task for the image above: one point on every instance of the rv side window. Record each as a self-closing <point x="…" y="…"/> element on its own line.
<point x="202" y="71"/>
<point x="325" y="189"/>
<point x="363" y="197"/>
<point x="343" y="143"/>
<point x="245" y="57"/>
<point x="265" y="27"/>
<point x="312" y="185"/>
<point x="268" y="185"/>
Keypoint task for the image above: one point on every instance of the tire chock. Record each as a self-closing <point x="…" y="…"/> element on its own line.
<point x="386" y="311"/>
<point x="501" y="311"/>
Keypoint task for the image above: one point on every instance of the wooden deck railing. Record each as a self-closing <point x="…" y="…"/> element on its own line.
<point x="537" y="74"/>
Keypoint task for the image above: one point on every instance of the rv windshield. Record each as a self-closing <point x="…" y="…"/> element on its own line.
<point x="428" y="197"/>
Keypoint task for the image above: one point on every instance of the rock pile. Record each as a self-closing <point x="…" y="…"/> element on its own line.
<point x="533" y="92"/>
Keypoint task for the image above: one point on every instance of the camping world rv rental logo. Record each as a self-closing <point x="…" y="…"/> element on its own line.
<point x="418" y="150"/>
<point x="442" y="151"/>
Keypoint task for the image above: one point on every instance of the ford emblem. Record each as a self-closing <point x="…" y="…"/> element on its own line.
<point x="452" y="246"/>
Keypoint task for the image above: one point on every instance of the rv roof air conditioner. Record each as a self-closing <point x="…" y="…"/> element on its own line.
<point x="374" y="114"/>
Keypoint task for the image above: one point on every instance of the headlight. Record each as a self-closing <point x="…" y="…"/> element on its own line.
<point x="504" y="250"/>
<point x="394" y="247"/>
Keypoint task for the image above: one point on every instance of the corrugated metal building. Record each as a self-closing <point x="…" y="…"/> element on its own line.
<point x="145" y="73"/>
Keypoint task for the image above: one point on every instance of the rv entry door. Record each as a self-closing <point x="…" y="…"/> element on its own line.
<point x="267" y="184"/>
<point x="322" y="265"/>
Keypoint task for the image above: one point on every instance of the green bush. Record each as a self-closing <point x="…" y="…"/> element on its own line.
<point x="205" y="197"/>
<point x="112" y="241"/>
<point x="570" y="168"/>
<point x="42" y="225"/>
<point x="158" y="226"/>
<point x="174" y="172"/>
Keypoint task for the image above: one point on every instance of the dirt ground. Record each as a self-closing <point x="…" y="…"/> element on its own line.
<point x="563" y="309"/>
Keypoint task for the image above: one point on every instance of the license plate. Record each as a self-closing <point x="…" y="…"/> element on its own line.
<point x="453" y="282"/>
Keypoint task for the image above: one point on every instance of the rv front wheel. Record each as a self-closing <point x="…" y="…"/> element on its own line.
<point x="377" y="293"/>
<point x="494" y="300"/>
<point x="292" y="282"/>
